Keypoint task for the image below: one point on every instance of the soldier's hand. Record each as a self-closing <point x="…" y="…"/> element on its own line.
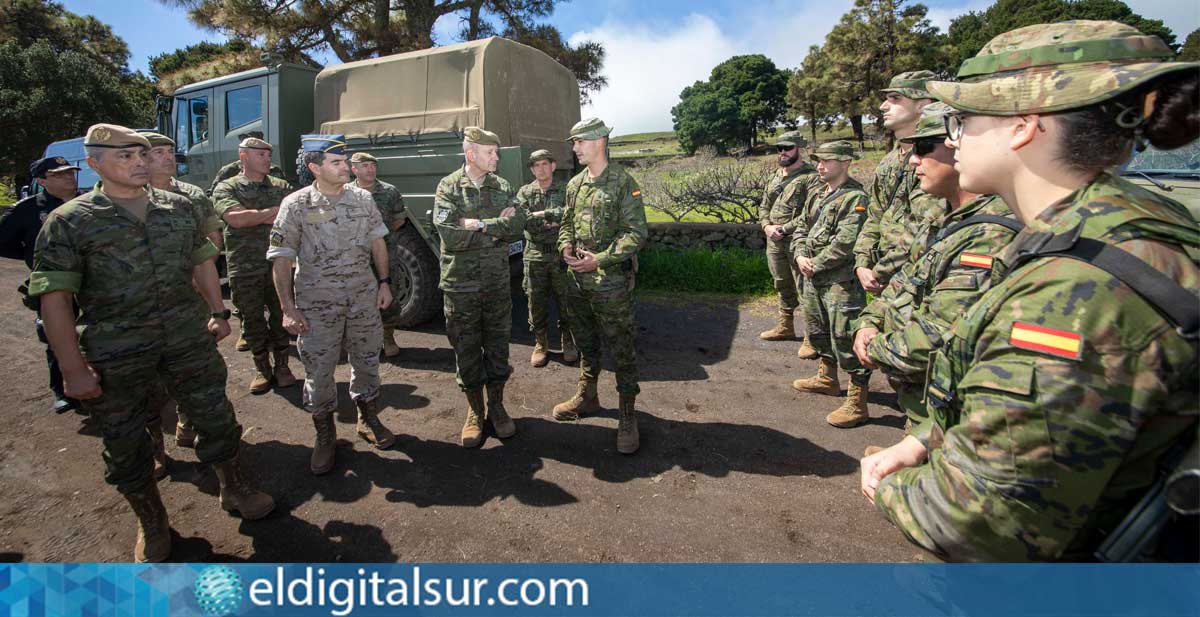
<point x="507" y="212"/>
<point x="540" y="214"/>
<point x="586" y="263"/>
<point x="805" y="266"/>
<point x="568" y="255"/>
<point x="219" y="328"/>
<point x="866" y="277"/>
<point x="384" y="296"/>
<point x="862" y="338"/>
<point x="294" y="322"/>
<point x="469" y="224"/>
<point x="908" y="453"/>
<point x="83" y="384"/>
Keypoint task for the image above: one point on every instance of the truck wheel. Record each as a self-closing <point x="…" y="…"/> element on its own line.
<point x="415" y="279"/>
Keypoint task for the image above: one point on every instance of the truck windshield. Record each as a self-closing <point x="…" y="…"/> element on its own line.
<point x="1183" y="161"/>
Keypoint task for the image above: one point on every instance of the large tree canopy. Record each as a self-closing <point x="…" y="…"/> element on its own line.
<point x="743" y="95"/>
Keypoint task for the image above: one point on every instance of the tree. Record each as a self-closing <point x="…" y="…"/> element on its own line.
<point x="27" y="21"/>
<point x="744" y="95"/>
<point x="361" y="29"/>
<point x="202" y="61"/>
<point x="1191" y="48"/>
<point x="809" y="91"/>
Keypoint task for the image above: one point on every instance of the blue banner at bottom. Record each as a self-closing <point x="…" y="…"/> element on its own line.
<point x="339" y="590"/>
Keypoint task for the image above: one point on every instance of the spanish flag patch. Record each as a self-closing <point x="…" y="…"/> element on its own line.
<point x="1059" y="343"/>
<point x="637" y="192"/>
<point x="975" y="259"/>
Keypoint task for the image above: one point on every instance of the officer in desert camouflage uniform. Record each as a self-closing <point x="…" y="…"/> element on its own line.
<point x="1057" y="395"/>
<point x="333" y="233"/>
<point x="475" y="219"/>
<point x="133" y="257"/>
<point x="391" y="207"/>
<point x="603" y="228"/>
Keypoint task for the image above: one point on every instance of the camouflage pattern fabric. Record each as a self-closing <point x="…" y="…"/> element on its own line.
<point x="391" y="207"/>
<point x="475" y="275"/>
<point x="142" y="324"/>
<point x="897" y="212"/>
<point x="230" y="170"/>
<point x="604" y="215"/>
<point x="782" y="203"/>
<point x="1056" y="393"/>
<point x="212" y="222"/>
<point x="913" y="314"/>
<point x="545" y="273"/>
<point x="335" y="286"/>
<point x="255" y="296"/>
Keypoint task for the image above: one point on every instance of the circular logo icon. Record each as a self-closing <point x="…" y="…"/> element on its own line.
<point x="218" y="590"/>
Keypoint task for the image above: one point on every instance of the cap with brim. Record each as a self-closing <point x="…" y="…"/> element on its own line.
<point x="912" y="84"/>
<point x="254" y="143"/>
<point x="840" y="150"/>
<point x="50" y="164"/>
<point x="329" y="144"/>
<point x="363" y="157"/>
<point x="589" y="129"/>
<point x="1055" y="67"/>
<point x="480" y="136"/>
<point x="932" y="123"/>
<point x="114" y="136"/>
<point x="540" y="155"/>
<point x="158" y="139"/>
<point x="791" y="138"/>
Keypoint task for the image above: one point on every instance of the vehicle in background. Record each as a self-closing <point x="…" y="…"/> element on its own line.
<point x="72" y="150"/>
<point x="1174" y="173"/>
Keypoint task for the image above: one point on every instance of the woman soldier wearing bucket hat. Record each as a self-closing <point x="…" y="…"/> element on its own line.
<point x="1059" y="394"/>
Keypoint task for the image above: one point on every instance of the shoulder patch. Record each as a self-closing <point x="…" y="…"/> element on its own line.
<point x="441" y="215"/>
<point x="1061" y="343"/>
<point x="976" y="260"/>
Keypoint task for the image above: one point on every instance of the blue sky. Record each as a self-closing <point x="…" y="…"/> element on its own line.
<point x="655" y="47"/>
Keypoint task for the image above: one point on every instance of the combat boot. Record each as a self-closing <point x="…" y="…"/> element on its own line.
<point x="627" y="425"/>
<point x="262" y="377"/>
<point x="241" y="344"/>
<point x="154" y="532"/>
<point x="824" y="382"/>
<point x="585" y="401"/>
<point x="369" y="426"/>
<point x="784" y="331"/>
<point x="390" y="348"/>
<point x="539" y="357"/>
<point x="853" y="410"/>
<point x="160" y="449"/>
<point x="326" y="446"/>
<point x="570" y="354"/>
<point x="472" y="430"/>
<point x="501" y="423"/>
<point x="283" y="375"/>
<point x="807" y="351"/>
<point x="238" y="494"/>
<point x="185" y="435"/>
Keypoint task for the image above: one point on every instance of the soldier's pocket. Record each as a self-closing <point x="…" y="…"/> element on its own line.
<point x="178" y="243"/>
<point x="357" y="232"/>
<point x="844" y="318"/>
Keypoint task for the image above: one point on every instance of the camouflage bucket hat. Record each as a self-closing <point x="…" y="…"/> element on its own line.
<point x="1054" y="67"/>
<point x="791" y="138"/>
<point x="932" y="122"/>
<point x="911" y="84"/>
<point x="589" y="129"/>
<point x="840" y="150"/>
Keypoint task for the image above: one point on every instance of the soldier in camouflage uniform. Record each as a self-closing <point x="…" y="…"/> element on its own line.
<point x="130" y="255"/>
<point x="823" y="242"/>
<point x="603" y="228"/>
<point x="391" y="207"/>
<point x="1059" y="391"/>
<point x="333" y="234"/>
<point x="911" y="318"/>
<point x="782" y="203"/>
<point x="248" y="203"/>
<point x="234" y="168"/>
<point x="475" y="219"/>
<point x="545" y="272"/>
<point x="898" y="209"/>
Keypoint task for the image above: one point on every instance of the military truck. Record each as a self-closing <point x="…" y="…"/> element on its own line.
<point x="408" y="110"/>
<point x="1174" y="173"/>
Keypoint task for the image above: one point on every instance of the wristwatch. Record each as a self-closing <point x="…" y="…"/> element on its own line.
<point x="387" y="280"/>
<point x="225" y="314"/>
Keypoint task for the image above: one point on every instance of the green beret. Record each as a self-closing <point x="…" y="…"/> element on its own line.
<point x="911" y="84"/>
<point x="363" y="157"/>
<point x="589" y="129"/>
<point x="254" y="143"/>
<point x="541" y="155"/>
<point x="932" y="122"/>
<point x="840" y="150"/>
<point x="114" y="136"/>
<point x="480" y="136"/>
<point x="791" y="138"/>
<point x="158" y="139"/>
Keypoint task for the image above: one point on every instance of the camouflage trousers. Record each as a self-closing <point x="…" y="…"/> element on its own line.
<point x="255" y="296"/>
<point x="829" y="314"/>
<point x="604" y="314"/>
<point x="352" y="323"/>
<point x="910" y="396"/>
<point x="193" y="373"/>
<point x="479" y="326"/>
<point x="546" y="281"/>
<point x="391" y="314"/>
<point x="784" y="274"/>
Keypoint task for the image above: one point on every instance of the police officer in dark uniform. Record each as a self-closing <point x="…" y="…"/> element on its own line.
<point x="18" y="232"/>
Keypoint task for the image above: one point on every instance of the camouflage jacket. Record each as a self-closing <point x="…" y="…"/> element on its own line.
<point x="827" y="231"/>
<point x="230" y="170"/>
<point x="472" y="260"/>
<point x="245" y="247"/>
<point x="1056" y="393"/>
<point x="212" y="222"/>
<point x="914" y="313"/>
<point x="390" y="203"/>
<point x="331" y="243"/>
<point x="132" y="280"/>
<point x="541" y="233"/>
<point x="897" y="212"/>
<point x="604" y="215"/>
<point x="785" y="197"/>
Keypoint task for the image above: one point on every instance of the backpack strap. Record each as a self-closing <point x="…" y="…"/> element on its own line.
<point x="979" y="219"/>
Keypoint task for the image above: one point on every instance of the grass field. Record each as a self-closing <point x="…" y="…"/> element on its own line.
<point x="730" y="271"/>
<point x="6" y="196"/>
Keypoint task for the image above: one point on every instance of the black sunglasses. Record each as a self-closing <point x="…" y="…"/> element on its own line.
<point x="785" y="148"/>
<point x="925" y="146"/>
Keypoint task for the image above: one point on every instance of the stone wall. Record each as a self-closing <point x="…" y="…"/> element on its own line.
<point x="706" y="235"/>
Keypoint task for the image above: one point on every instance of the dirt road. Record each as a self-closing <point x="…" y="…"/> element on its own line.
<point x="734" y="464"/>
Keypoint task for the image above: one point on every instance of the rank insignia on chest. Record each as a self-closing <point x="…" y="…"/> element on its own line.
<point x="636" y="193"/>
<point x="1061" y="343"/>
<point x="859" y="209"/>
<point x="976" y="260"/>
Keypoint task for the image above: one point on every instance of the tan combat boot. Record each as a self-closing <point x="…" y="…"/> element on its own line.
<point x="570" y="354"/>
<point x="262" y="376"/>
<point x="853" y="410"/>
<point x="540" y="356"/>
<point x="807" y="351"/>
<point x="472" y="430"/>
<point x="627" y="425"/>
<point x="237" y="494"/>
<point x="283" y="375"/>
<point x="185" y="433"/>
<point x="585" y="401"/>
<point x="369" y="426"/>
<point x="160" y="448"/>
<point x="824" y="382"/>
<point x="784" y="331"/>
<point x="326" y="445"/>
<point x="501" y="423"/>
<point x="154" y="532"/>
<point x="241" y="344"/>
<point x="390" y="348"/>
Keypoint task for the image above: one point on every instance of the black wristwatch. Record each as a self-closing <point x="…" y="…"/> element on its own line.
<point x="225" y="314"/>
<point x="387" y="280"/>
